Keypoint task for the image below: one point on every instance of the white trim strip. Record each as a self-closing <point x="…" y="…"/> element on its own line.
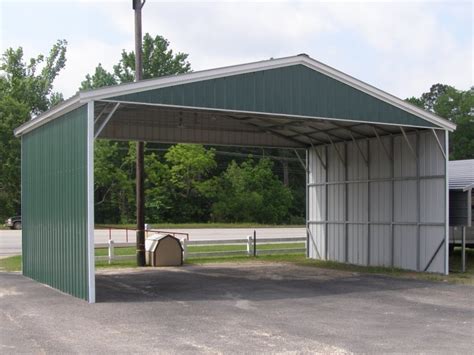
<point x="90" y="202"/>
<point x="124" y="89"/>
<point x="446" y="240"/>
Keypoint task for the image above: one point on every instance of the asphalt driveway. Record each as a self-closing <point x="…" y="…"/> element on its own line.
<point x="232" y="308"/>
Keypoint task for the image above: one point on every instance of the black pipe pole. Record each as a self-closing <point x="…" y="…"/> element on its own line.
<point x="137" y="7"/>
<point x="254" y="243"/>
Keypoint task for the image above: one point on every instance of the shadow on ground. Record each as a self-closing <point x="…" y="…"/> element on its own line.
<point x="255" y="282"/>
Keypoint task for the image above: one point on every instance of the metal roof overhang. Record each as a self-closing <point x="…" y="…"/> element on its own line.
<point x="291" y="130"/>
<point x="117" y="120"/>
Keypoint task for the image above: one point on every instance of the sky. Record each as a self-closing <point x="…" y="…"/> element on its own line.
<point x="402" y="47"/>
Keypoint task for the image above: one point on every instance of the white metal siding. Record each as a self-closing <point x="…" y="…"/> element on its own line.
<point x="370" y="209"/>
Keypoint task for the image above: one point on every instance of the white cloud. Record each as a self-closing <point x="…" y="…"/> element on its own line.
<point x="401" y="47"/>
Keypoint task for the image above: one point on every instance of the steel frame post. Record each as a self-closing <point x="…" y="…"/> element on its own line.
<point x="418" y="201"/>
<point x="90" y="203"/>
<point x="446" y="200"/>
<point x="392" y="225"/>
<point x="346" y="206"/>
<point x="368" y="203"/>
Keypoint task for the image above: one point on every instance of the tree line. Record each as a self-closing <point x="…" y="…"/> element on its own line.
<point x="184" y="182"/>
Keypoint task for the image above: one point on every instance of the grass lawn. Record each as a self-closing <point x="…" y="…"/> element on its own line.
<point x="455" y="276"/>
<point x="165" y="226"/>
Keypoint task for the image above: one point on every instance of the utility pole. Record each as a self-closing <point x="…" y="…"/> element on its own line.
<point x="137" y="7"/>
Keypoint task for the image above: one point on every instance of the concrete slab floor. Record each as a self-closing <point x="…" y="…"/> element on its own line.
<point x="232" y="308"/>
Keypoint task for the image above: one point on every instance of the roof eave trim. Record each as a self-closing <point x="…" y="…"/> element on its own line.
<point x="377" y="93"/>
<point x="62" y="108"/>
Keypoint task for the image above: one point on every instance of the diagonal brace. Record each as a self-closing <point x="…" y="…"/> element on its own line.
<point x="408" y="143"/>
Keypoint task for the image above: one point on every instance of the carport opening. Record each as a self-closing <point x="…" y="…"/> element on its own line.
<point x="161" y="125"/>
<point x="287" y="164"/>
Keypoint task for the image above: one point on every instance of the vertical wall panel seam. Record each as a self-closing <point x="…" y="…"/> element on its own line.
<point x="418" y="203"/>
<point x="368" y="203"/>
<point x="346" y="205"/>
<point x="326" y="204"/>
<point x="392" y="198"/>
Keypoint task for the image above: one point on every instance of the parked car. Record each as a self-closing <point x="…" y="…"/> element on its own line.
<point x="14" y="222"/>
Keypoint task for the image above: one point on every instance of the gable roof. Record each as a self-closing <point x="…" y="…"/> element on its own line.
<point x="199" y="76"/>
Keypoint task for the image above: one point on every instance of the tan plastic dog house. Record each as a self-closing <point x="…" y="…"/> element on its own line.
<point x="163" y="250"/>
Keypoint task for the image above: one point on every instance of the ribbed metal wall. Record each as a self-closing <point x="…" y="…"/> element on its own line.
<point x="377" y="204"/>
<point x="292" y="90"/>
<point x="54" y="203"/>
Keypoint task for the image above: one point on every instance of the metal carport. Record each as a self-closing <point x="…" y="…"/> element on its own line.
<point x="376" y="165"/>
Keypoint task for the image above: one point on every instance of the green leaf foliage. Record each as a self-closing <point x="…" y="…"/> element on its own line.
<point x="26" y="90"/>
<point x="456" y="106"/>
<point x="250" y="192"/>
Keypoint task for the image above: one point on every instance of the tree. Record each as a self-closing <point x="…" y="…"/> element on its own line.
<point x="458" y="107"/>
<point x="114" y="161"/>
<point x="158" y="60"/>
<point x="190" y="166"/>
<point x="250" y="192"/>
<point x="26" y="90"/>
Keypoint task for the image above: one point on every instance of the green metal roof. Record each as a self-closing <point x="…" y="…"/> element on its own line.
<point x="294" y="86"/>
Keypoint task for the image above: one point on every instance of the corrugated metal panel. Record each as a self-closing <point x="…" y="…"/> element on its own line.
<point x="292" y="90"/>
<point x="380" y="245"/>
<point x="358" y="244"/>
<point x="461" y="174"/>
<point x="54" y="203"/>
<point x="391" y="220"/>
<point x="317" y="204"/>
<point x="405" y="201"/>
<point x="405" y="247"/>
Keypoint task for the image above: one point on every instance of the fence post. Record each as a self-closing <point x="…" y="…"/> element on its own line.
<point x="111" y="251"/>
<point x="184" y="242"/>
<point x="249" y="245"/>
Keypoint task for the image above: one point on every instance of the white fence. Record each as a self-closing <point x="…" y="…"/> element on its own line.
<point x="251" y="248"/>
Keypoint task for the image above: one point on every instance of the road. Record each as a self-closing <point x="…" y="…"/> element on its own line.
<point x="10" y="240"/>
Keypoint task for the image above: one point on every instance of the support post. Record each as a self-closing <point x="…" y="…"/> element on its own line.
<point x="137" y="6"/>
<point x="346" y="205"/>
<point x="463" y="250"/>
<point x="446" y="201"/>
<point x="368" y="204"/>
<point x="306" y="212"/>
<point x="326" y="206"/>
<point x="392" y="196"/>
<point x="418" y="200"/>
<point x="90" y="202"/>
